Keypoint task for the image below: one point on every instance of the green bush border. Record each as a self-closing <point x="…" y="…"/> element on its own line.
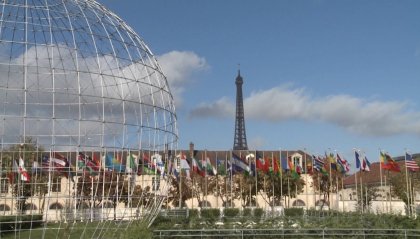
<point x="210" y="213"/>
<point x="11" y="223"/>
<point x="247" y="212"/>
<point x="258" y="212"/>
<point x="193" y="213"/>
<point x="231" y="212"/>
<point x="293" y="212"/>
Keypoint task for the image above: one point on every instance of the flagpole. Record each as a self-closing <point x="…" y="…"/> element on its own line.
<point x="256" y="178"/>
<point x="91" y="198"/>
<point x="240" y="179"/>
<point x="288" y="189"/>
<point x="205" y="173"/>
<point x="281" y="179"/>
<point x="412" y="195"/>
<point x="330" y="181"/>
<point x="380" y="175"/>
<point x="103" y="167"/>
<point x="342" y="186"/>
<point x="361" y="190"/>
<point x="408" y="189"/>
<point x="2" y="167"/>
<point x="20" y="181"/>
<point x="355" y="174"/>
<point x="226" y="178"/>
<point x="390" y="195"/>
<point x="288" y="181"/>
<point x="272" y="181"/>
<point x="361" y="183"/>
<point x="306" y="179"/>
<point x="217" y="182"/>
<point x="231" y="179"/>
<point x="264" y="186"/>
<point x="337" y="199"/>
<point x="250" y="185"/>
<point x="336" y="191"/>
<point x="49" y="182"/>
<point x="180" y="183"/>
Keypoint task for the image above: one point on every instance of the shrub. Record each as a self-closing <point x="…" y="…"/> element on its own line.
<point x="247" y="212"/>
<point x="11" y="223"/>
<point x="231" y="212"/>
<point x="293" y="212"/>
<point x="193" y="213"/>
<point x="210" y="213"/>
<point x="258" y="212"/>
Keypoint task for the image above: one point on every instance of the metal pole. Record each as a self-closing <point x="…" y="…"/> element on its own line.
<point x="272" y="181"/>
<point x="306" y="179"/>
<point x="408" y="188"/>
<point x="180" y="183"/>
<point x="217" y="182"/>
<point x="281" y="179"/>
<point x="256" y="179"/>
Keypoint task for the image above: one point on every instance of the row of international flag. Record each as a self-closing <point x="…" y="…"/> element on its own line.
<point x="233" y="163"/>
<point x="93" y="164"/>
<point x="148" y="163"/>
<point x="251" y="162"/>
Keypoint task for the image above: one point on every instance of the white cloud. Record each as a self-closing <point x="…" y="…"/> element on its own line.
<point x="222" y="108"/>
<point x="361" y="116"/>
<point x="178" y="66"/>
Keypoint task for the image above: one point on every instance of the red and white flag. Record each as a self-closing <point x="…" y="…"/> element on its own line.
<point x="24" y="175"/>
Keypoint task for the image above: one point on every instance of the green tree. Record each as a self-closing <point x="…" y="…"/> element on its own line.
<point x="176" y="187"/>
<point x="280" y="185"/>
<point x="398" y="184"/>
<point x="327" y="182"/>
<point x="364" y="201"/>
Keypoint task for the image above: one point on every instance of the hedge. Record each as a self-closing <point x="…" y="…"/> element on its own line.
<point x="231" y="212"/>
<point x="293" y="212"/>
<point x="12" y="223"/>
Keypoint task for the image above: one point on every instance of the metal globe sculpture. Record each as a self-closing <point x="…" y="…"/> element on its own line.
<point x="88" y="123"/>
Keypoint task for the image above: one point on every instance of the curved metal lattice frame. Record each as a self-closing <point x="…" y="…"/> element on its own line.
<point x="77" y="83"/>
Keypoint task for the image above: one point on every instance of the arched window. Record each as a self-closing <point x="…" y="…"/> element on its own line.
<point x="56" y="206"/>
<point x="4" y="207"/>
<point x="298" y="203"/>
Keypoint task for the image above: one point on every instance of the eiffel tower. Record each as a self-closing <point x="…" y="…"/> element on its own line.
<point x="240" y="135"/>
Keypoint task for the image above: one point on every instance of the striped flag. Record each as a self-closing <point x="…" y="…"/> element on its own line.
<point x="344" y="165"/>
<point x="319" y="165"/>
<point x="411" y="165"/>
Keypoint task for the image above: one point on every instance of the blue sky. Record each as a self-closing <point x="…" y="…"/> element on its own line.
<point x="318" y="74"/>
